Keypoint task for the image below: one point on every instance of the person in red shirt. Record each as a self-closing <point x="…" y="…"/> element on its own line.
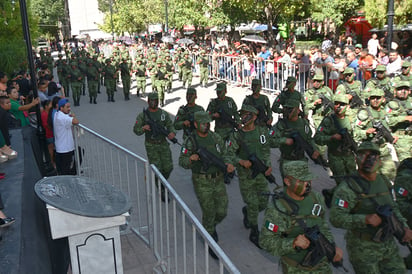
<point x="47" y="106"/>
<point x="366" y="64"/>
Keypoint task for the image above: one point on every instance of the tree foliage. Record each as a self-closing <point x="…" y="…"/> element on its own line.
<point x="48" y="13"/>
<point x="376" y="11"/>
<point x="13" y="53"/>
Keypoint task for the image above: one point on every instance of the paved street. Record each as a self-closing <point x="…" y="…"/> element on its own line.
<point x="115" y="121"/>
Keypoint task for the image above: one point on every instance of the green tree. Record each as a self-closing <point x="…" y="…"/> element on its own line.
<point x="13" y="53"/>
<point x="376" y="12"/>
<point x="49" y="13"/>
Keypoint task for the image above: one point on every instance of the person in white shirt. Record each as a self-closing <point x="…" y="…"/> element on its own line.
<point x="63" y="138"/>
<point x="395" y="63"/>
<point x="373" y="45"/>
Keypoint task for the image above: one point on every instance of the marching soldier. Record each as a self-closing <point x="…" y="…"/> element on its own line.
<point x="92" y="81"/>
<point x="351" y="87"/>
<point x="187" y="74"/>
<point x="261" y="103"/>
<point x="125" y="71"/>
<point x="110" y="74"/>
<point x="140" y="72"/>
<point x="382" y="82"/>
<point x="287" y="93"/>
<point x="203" y="62"/>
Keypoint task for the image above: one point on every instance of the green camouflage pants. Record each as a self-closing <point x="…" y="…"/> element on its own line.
<point x="153" y="81"/>
<point x="141" y="84"/>
<point x="388" y="167"/>
<point x="180" y="73"/>
<point x="92" y="88"/>
<point x="187" y="77"/>
<point x="126" y="81"/>
<point x="322" y="268"/>
<point x="251" y="190"/>
<point x="160" y="87"/>
<point x="203" y="75"/>
<point x="110" y="86"/>
<point x="224" y="132"/>
<point x="371" y="257"/>
<point x="341" y="165"/>
<point x="160" y="156"/>
<point x="76" y="90"/>
<point x="403" y="147"/>
<point x="213" y="200"/>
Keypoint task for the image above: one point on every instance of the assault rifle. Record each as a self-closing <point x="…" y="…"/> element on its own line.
<point x="225" y="117"/>
<point x="326" y="103"/>
<point x="391" y="226"/>
<point x="382" y="132"/>
<point x="209" y="158"/>
<point x="262" y="117"/>
<point x="258" y="166"/>
<point x="191" y="119"/>
<point x="347" y="140"/>
<point x="356" y="101"/>
<point x="304" y="145"/>
<point x="319" y="247"/>
<point x="158" y="130"/>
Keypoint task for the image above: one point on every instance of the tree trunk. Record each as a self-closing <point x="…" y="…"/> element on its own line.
<point x="269" y="18"/>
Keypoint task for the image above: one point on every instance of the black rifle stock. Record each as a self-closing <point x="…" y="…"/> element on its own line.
<point x="382" y="132"/>
<point x="209" y="158"/>
<point x="258" y="166"/>
<point x="301" y="143"/>
<point x="158" y="130"/>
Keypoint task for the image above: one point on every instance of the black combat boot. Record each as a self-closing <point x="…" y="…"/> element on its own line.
<point x="126" y="97"/>
<point x="211" y="252"/>
<point x="108" y="98"/>
<point x="91" y="100"/>
<point x="94" y="100"/>
<point x="327" y="194"/>
<point x="245" y="219"/>
<point x="112" y="99"/>
<point x="254" y="235"/>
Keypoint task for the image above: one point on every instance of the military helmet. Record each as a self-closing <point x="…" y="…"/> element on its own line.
<point x="376" y="92"/>
<point x="256" y="82"/>
<point x="406" y="64"/>
<point x="248" y="108"/>
<point x="402" y="84"/>
<point x="318" y="77"/>
<point x="159" y="61"/>
<point x="153" y="96"/>
<point x="221" y="86"/>
<point x="380" y="68"/>
<point x="153" y="56"/>
<point x="291" y="79"/>
<point x="59" y="55"/>
<point x="298" y="170"/>
<point x="348" y="71"/>
<point x="368" y="145"/>
<point x="191" y="91"/>
<point x="342" y="98"/>
<point x="108" y="60"/>
<point x="202" y="117"/>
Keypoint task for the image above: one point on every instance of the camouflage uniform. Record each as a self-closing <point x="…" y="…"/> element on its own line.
<point x="186" y="113"/>
<point x="110" y="74"/>
<point x="350" y="86"/>
<point x="126" y="71"/>
<point x="208" y="182"/>
<point x="403" y="190"/>
<point x="226" y="104"/>
<point x="288" y="93"/>
<point x="261" y="103"/>
<point x="140" y="72"/>
<point x="151" y="67"/>
<point x="366" y="118"/>
<point x="405" y="75"/>
<point x="203" y="62"/>
<point x="92" y="81"/>
<point x="354" y="200"/>
<point x="170" y="69"/>
<point x="186" y="65"/>
<point x="398" y="112"/>
<point x="241" y="144"/>
<point x="157" y="147"/>
<point x="76" y="79"/>
<point x="160" y="80"/>
<point x="281" y="225"/>
<point x="381" y="82"/>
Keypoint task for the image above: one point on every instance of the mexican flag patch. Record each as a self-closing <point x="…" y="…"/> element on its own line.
<point x="320" y="129"/>
<point x="271" y="226"/>
<point x="271" y="132"/>
<point x="342" y="203"/>
<point x="184" y="150"/>
<point x="401" y="191"/>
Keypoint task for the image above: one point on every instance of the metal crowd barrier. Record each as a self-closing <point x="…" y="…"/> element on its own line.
<point x="177" y="238"/>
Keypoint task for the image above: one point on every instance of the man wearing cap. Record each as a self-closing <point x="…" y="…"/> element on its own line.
<point x="248" y="140"/>
<point x="185" y="115"/>
<point x="287" y="93"/>
<point x="341" y="149"/>
<point x="157" y="148"/>
<point x="92" y="81"/>
<point x="403" y="190"/>
<point x="399" y="117"/>
<point x="314" y="101"/>
<point x="203" y="62"/>
<point x="140" y="72"/>
<point x="358" y="50"/>
<point x="261" y="103"/>
<point x="351" y="87"/>
<point x="226" y="105"/>
<point x="368" y="121"/>
<point x="186" y="65"/>
<point x="405" y="74"/>
<point x="76" y="79"/>
<point x="381" y="81"/>
<point x="285" y="220"/>
<point x="160" y="80"/>
<point x="170" y="69"/>
<point x="283" y="131"/>
<point x="125" y="71"/>
<point x="110" y="74"/>
<point x="208" y="182"/>
<point x="354" y="207"/>
<point x="63" y="138"/>
<point x="151" y="67"/>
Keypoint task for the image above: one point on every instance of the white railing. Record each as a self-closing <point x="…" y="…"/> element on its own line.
<point x="177" y="238"/>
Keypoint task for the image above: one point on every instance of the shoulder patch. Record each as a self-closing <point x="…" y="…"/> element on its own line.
<point x="271" y="226"/>
<point x="394" y="105"/>
<point x="363" y="115"/>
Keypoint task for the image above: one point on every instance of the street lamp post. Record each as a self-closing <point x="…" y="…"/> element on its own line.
<point x="167" y="18"/>
<point x="391" y="14"/>
<point x="111" y="18"/>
